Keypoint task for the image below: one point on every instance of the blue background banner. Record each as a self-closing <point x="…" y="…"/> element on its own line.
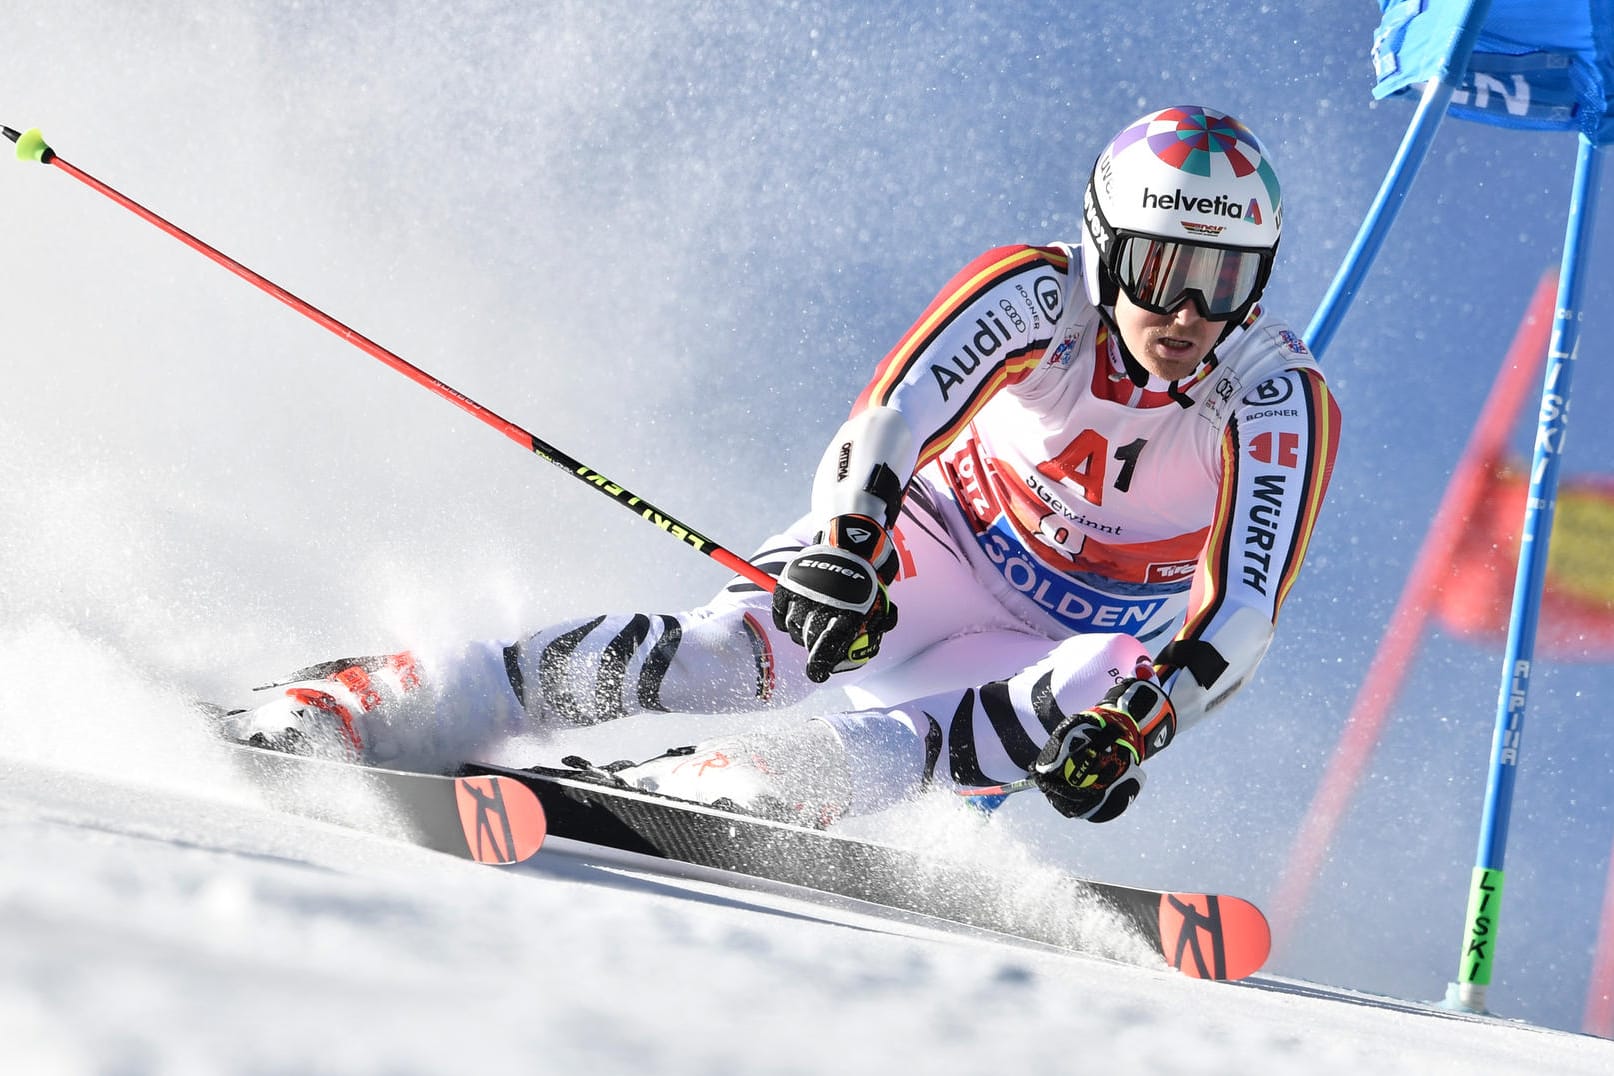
<point x="1538" y="64"/>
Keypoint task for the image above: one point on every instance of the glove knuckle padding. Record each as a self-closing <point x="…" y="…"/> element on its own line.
<point x="831" y="599"/>
<point x="831" y="577"/>
<point x="1089" y="768"/>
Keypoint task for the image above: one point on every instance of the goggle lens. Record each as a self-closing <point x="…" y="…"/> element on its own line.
<point x="1159" y="275"/>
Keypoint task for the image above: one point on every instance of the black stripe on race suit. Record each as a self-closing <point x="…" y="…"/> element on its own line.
<point x="555" y="661"/>
<point x="1044" y="705"/>
<point x="919" y="500"/>
<point x="558" y="669"/>
<point x="613" y="668"/>
<point x="657" y="663"/>
<point x="1006" y="723"/>
<point x="933" y="746"/>
<point x="963" y="760"/>
<point x="512" y="669"/>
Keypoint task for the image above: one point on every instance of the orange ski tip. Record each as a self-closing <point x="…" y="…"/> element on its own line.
<point x="502" y="819"/>
<point x="1206" y="936"/>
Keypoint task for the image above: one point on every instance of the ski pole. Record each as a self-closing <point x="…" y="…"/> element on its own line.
<point x="31" y="147"/>
<point x="1007" y="789"/>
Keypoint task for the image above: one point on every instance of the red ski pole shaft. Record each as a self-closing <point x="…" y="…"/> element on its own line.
<point x="31" y="146"/>
<point x="1008" y="788"/>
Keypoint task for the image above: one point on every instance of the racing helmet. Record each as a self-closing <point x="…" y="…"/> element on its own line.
<point x="1182" y="205"/>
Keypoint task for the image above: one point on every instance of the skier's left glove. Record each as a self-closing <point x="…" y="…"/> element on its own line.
<point x="831" y="597"/>
<point x="1090" y="767"/>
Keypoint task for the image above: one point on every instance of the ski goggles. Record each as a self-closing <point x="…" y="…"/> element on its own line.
<point x="1160" y="275"/>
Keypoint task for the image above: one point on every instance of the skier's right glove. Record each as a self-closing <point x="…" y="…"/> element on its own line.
<point x="1090" y="767"/>
<point x="831" y="597"/>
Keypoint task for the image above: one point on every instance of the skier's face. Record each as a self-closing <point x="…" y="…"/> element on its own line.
<point x="1169" y="346"/>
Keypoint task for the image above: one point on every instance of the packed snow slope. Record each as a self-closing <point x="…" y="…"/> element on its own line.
<point x="673" y="243"/>
<point x="178" y="927"/>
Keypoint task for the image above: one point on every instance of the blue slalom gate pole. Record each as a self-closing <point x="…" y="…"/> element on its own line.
<point x="1397" y="181"/>
<point x="1485" y="894"/>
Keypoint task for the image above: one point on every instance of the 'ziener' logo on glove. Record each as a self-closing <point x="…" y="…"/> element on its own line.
<point x="830" y="566"/>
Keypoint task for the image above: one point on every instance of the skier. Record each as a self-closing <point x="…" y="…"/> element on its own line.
<point x="1055" y="531"/>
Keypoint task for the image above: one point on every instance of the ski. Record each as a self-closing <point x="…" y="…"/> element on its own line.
<point x="500" y="815"/>
<point x="487" y="818"/>
<point x="1203" y="935"/>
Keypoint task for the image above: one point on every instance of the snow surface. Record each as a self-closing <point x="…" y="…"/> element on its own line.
<point x="673" y="240"/>
<point x="181" y="926"/>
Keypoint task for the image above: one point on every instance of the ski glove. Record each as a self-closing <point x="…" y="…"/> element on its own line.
<point x="831" y="597"/>
<point x="1089" y="769"/>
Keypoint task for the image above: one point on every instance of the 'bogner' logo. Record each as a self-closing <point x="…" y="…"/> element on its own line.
<point x="1180" y="200"/>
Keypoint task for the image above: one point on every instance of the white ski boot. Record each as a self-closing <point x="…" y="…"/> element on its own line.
<point x="797" y="775"/>
<point x="340" y="709"/>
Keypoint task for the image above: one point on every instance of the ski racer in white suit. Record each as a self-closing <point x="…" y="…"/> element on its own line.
<point x="1085" y="479"/>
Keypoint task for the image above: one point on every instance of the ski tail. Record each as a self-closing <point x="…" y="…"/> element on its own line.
<point x="486" y="818"/>
<point x="1209" y="936"/>
<point x="501" y="820"/>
